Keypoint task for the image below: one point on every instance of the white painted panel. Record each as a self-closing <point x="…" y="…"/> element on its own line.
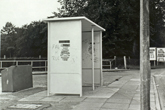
<point x="65" y="84"/>
<point x="65" y="62"/>
<point x="65" y="31"/>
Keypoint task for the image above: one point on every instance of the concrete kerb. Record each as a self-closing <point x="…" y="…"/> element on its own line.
<point x="157" y="102"/>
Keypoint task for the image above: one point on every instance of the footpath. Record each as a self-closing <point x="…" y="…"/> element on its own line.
<point x="121" y="91"/>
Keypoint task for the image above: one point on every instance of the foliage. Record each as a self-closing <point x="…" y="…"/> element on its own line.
<point x="27" y="41"/>
<point x="157" y="24"/>
<point x="121" y="19"/>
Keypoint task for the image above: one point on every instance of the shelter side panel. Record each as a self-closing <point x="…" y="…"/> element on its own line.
<point x="65" y="57"/>
<point x="87" y="50"/>
<point x="65" y="84"/>
<point x="87" y="77"/>
<point x="87" y="58"/>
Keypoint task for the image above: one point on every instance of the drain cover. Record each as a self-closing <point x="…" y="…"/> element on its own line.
<point x="26" y="106"/>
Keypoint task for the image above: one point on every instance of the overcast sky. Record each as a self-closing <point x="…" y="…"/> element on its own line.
<point x="21" y="12"/>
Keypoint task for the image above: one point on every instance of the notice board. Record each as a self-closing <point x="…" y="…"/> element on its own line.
<point x="153" y="53"/>
<point x="161" y="54"/>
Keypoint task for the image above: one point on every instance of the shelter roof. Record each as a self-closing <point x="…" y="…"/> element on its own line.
<point x="87" y="24"/>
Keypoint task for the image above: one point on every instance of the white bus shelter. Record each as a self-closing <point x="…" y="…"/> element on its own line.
<point x="74" y="55"/>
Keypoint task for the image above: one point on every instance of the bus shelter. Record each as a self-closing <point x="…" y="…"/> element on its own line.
<point x="74" y="55"/>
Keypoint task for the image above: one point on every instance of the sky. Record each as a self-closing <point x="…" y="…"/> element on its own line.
<point x="21" y="12"/>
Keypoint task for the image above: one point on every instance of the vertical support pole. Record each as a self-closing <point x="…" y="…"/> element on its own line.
<point x="125" y="62"/>
<point x="48" y="59"/>
<point x="101" y="62"/>
<point x="93" y="70"/>
<point x="0" y="44"/>
<point x="144" y="56"/>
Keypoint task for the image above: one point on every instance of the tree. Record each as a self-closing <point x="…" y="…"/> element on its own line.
<point x="157" y="24"/>
<point x="120" y="18"/>
<point x="8" y="42"/>
<point x="27" y="41"/>
<point x="33" y="40"/>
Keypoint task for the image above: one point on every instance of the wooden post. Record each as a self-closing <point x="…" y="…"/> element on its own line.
<point x="110" y="65"/>
<point x="1" y="65"/>
<point x="16" y="63"/>
<point x="115" y="60"/>
<point x="144" y="56"/>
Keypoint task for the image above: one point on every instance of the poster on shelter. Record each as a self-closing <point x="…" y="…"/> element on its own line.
<point x="152" y="53"/>
<point x="161" y="54"/>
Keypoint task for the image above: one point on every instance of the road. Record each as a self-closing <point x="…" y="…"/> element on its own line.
<point x="129" y="78"/>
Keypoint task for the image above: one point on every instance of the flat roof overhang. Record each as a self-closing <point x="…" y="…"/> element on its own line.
<point x="86" y="23"/>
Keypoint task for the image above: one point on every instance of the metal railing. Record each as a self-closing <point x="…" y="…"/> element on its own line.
<point x="37" y="65"/>
<point x="40" y="65"/>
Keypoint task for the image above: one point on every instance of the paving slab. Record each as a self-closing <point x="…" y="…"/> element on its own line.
<point x="89" y="106"/>
<point x="119" y="101"/>
<point x="134" y="107"/>
<point x="96" y="100"/>
<point x="115" y="106"/>
<point x="135" y="102"/>
<point x="101" y="92"/>
<point x="53" y="98"/>
<point x="112" y="109"/>
<point x="72" y="99"/>
<point x="120" y="96"/>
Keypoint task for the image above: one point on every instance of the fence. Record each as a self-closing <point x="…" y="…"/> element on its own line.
<point x="40" y="65"/>
<point x="121" y="63"/>
<point x="37" y="65"/>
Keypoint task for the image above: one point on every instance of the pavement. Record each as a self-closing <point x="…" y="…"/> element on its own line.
<point x="121" y="91"/>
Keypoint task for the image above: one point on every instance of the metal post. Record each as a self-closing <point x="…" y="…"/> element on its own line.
<point x="101" y="70"/>
<point x="93" y="74"/>
<point x="125" y="62"/>
<point x="0" y="44"/>
<point x="45" y="66"/>
<point x="144" y="56"/>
